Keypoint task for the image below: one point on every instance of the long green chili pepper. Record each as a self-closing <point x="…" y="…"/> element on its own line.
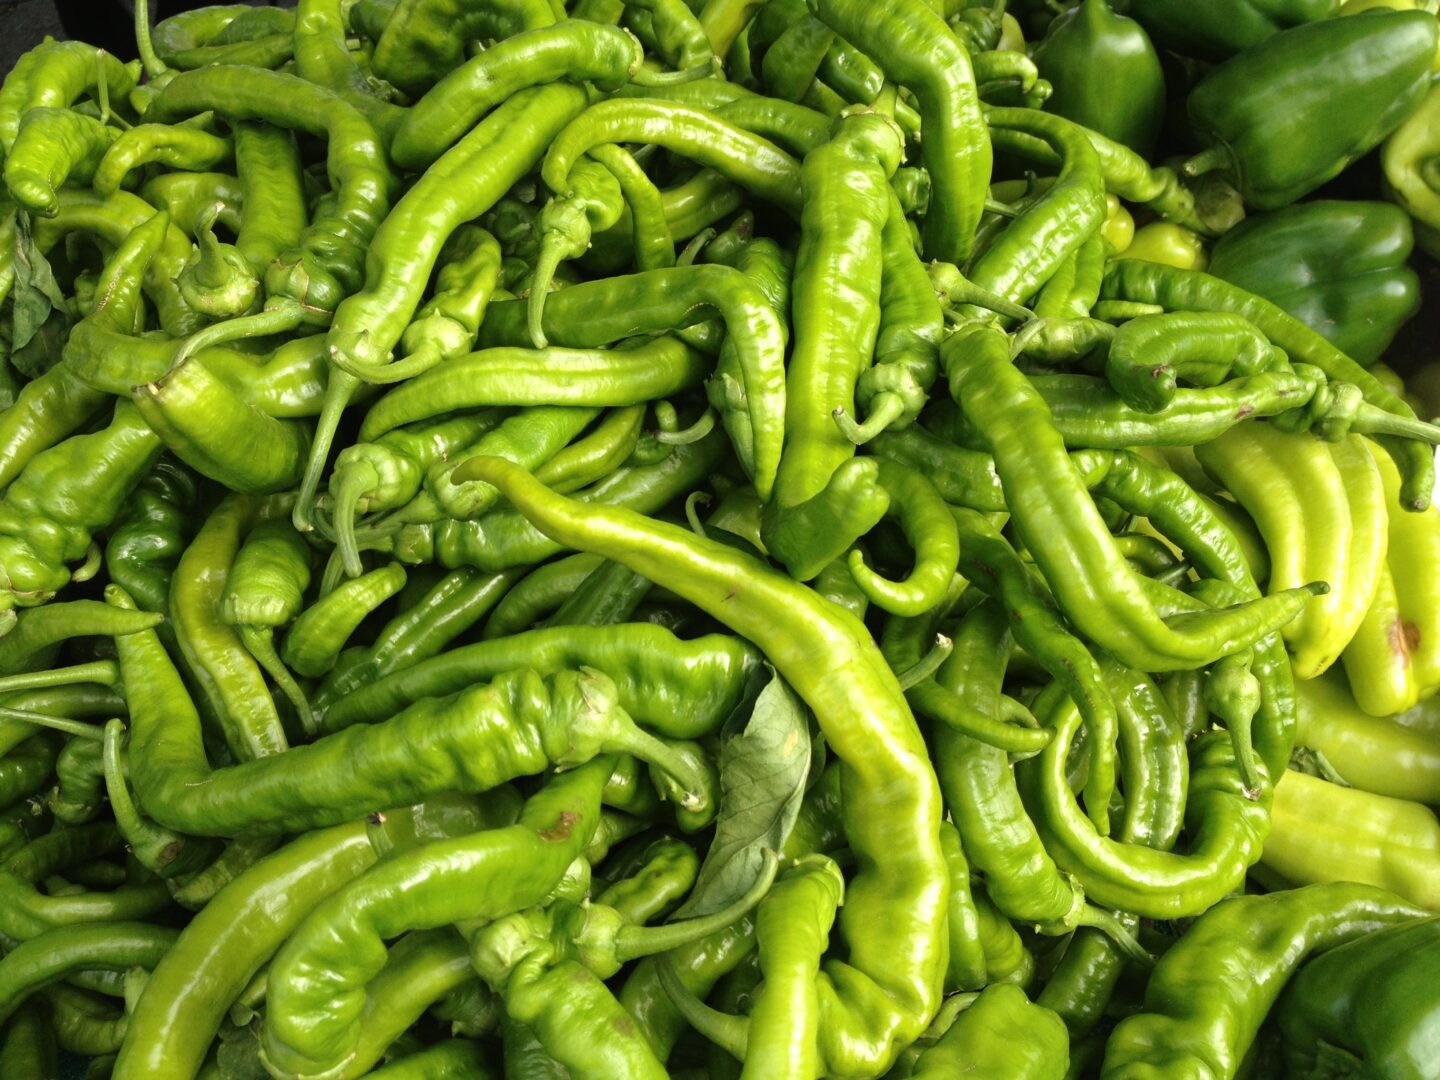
<point x="210" y="427"/>
<point x="28" y="912"/>
<point x="424" y="39"/>
<point x="54" y="146"/>
<point x="1191" y="290"/>
<point x="180" y="146"/>
<point x="313" y="644"/>
<point x="1258" y="942"/>
<point x="267" y="162"/>
<point x="566" y="717"/>
<point x="683" y="690"/>
<point x="461" y="186"/>
<point x="457" y="602"/>
<point x="533" y="436"/>
<point x="50" y="512"/>
<point x="898" y="972"/>
<point x="836" y="305"/>
<point x="1060" y="524"/>
<point x="1035" y="244"/>
<point x="754" y="163"/>
<point x="602" y="312"/>
<point x="372" y="477"/>
<point x="575" y="50"/>
<point x="213" y="651"/>
<point x="538" y="594"/>
<point x="892" y="392"/>
<point x="487" y="876"/>
<point x="225" y="944"/>
<point x="264" y="591"/>
<point x="915" y="49"/>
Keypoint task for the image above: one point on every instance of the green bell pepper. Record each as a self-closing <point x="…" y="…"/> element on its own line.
<point x="1289" y="114"/>
<point x="1087" y="53"/>
<point x="1216" y="29"/>
<point x="1411" y="161"/>
<point x="1366" y="1008"/>
<point x="1338" y="267"/>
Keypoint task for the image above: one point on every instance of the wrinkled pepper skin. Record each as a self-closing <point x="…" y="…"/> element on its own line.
<point x="1366" y="1007"/>
<point x="1337" y="266"/>
<point x="1088" y="53"/>
<point x="1215" y="29"/>
<point x="1279" y="131"/>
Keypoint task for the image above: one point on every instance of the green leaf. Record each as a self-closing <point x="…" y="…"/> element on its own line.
<point x="762" y="781"/>
<point x="238" y="1055"/>
<point x="34" y="294"/>
<point x="45" y="348"/>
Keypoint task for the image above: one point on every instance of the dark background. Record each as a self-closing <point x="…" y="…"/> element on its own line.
<point x="23" y="23"/>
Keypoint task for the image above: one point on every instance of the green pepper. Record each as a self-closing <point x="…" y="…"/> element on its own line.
<point x="1285" y="116"/>
<point x="1338" y="267"/>
<point x="1215" y="29"/>
<point x="1088" y="54"/>
<point x="1367" y="1005"/>
<point x="1408" y="160"/>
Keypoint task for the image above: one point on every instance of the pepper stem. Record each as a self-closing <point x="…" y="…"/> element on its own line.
<point x="154" y="66"/>
<point x="1373" y="420"/>
<point x="552" y="251"/>
<point x="885" y="409"/>
<point x="729" y="1032"/>
<point x="338" y="392"/>
<point x="1116" y="931"/>
<point x="260" y="643"/>
<point x="643" y="76"/>
<point x="692" y="434"/>
<point x="417" y="363"/>
<point x="928" y="664"/>
<point x="633" y="942"/>
<point x="277" y="320"/>
<point x="628" y="738"/>
<point x="1206" y="161"/>
<point x="351" y="484"/>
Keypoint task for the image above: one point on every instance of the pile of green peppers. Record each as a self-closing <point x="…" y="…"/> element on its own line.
<point x="623" y="539"/>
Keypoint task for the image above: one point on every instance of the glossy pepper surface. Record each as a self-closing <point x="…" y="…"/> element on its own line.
<point x="1339" y="267"/>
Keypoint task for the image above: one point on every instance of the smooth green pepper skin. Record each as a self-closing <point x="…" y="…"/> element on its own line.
<point x="1216" y="29"/>
<point x="1002" y="1036"/>
<point x="1090" y="52"/>
<point x="1368" y="1003"/>
<point x="1339" y="267"/>
<point x="1279" y="131"/>
<point x="1209" y="994"/>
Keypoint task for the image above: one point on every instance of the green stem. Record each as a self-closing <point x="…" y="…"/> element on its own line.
<point x="885" y="409"/>
<point x="633" y="942"/>
<point x="928" y="664"/>
<point x="260" y="643"/>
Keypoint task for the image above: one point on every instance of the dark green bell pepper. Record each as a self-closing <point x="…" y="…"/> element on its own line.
<point x="1337" y="266"/>
<point x="1217" y="29"/>
<point x="1105" y="73"/>
<point x="1283" y="117"/>
<point x="1366" y="1008"/>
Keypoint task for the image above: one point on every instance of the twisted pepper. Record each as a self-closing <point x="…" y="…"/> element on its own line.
<point x="884" y="995"/>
